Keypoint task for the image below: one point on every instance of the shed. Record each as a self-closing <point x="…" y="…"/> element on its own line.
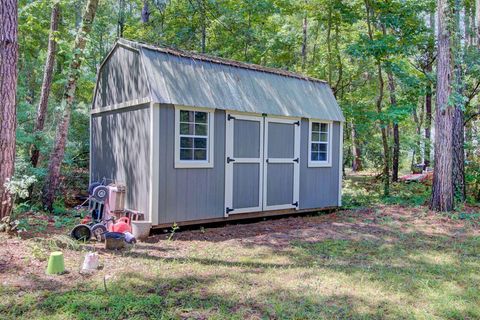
<point x="199" y="139"/>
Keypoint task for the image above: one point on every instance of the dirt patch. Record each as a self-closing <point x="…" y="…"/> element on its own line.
<point x="23" y="264"/>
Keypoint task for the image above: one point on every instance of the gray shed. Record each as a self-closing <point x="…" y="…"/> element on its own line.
<point x="201" y="139"/>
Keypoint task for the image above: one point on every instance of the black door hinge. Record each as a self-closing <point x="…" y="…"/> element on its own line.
<point x="296" y="160"/>
<point x="230" y="117"/>
<point x="227" y="210"/>
<point x="295" y="204"/>
<point x="230" y="160"/>
<point x="297" y="123"/>
<point x="266" y="160"/>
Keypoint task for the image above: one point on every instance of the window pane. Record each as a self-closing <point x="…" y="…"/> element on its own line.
<point x="186" y="128"/>
<point x="201" y="154"/>
<point x="315" y="126"/>
<point x="186" y="154"/>
<point x="200" y="143"/>
<point x="200" y="130"/>
<point x="324" y="137"/>
<point x="315" y="147"/>
<point x="322" y="156"/>
<point x="324" y="127"/>
<point x="186" y="116"/>
<point x="201" y="117"/>
<point x="186" y="142"/>
<point x="315" y="136"/>
<point x="322" y="147"/>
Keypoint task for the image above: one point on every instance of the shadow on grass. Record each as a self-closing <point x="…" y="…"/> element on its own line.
<point x="141" y="297"/>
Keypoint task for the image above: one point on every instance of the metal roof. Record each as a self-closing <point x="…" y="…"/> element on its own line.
<point x="190" y="79"/>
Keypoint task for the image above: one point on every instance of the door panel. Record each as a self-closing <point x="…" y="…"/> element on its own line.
<point x="246" y="138"/>
<point x="281" y="164"/>
<point x="244" y="164"/>
<point x="246" y="188"/>
<point x="280" y="184"/>
<point x="281" y="140"/>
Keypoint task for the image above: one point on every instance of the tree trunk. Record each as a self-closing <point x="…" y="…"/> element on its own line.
<point x="53" y="177"/>
<point x="396" y="133"/>
<point x="329" y="45"/>
<point x="459" y="187"/>
<point x="428" y="123"/>
<point x="145" y="12"/>
<point x="378" y="103"/>
<point x="8" y="89"/>
<point x="304" y="42"/>
<point x="203" y="18"/>
<point x="46" y="85"/>
<point x="442" y="191"/>
<point x="121" y="18"/>
<point x="356" y="151"/>
<point x="429" y="93"/>
<point x="477" y="21"/>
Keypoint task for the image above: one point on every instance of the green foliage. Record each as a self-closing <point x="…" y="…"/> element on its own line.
<point x="267" y="32"/>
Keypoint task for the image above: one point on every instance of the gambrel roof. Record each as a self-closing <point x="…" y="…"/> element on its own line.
<point x="135" y="70"/>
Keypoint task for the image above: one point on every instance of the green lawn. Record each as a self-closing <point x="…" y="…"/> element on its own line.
<point x="387" y="262"/>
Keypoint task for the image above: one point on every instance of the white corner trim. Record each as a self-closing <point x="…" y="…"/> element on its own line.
<point x="154" y="161"/>
<point x="320" y="164"/>
<point x="340" y="166"/>
<point x="122" y="105"/>
<point x="179" y="164"/>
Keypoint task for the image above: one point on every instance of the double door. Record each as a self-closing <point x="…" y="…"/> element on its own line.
<point x="262" y="163"/>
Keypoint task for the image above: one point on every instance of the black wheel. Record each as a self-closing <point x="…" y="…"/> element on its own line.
<point x="92" y="187"/>
<point x="81" y="232"/>
<point x="98" y="232"/>
<point x="100" y="193"/>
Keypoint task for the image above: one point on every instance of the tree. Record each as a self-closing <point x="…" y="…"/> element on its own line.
<point x="442" y="190"/>
<point x="8" y="88"/>
<point x="46" y="84"/>
<point x="53" y="177"/>
<point x="458" y="131"/>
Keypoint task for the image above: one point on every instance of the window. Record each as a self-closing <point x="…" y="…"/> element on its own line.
<point x="193" y="138"/>
<point x="319" y="148"/>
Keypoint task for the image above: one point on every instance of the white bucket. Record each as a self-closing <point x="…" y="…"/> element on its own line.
<point x="91" y="262"/>
<point x="141" y="229"/>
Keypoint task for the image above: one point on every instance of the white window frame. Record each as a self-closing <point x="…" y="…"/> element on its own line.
<point x="320" y="163"/>
<point x="210" y="143"/>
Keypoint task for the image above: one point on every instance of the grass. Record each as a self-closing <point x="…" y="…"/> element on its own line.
<point x="385" y="262"/>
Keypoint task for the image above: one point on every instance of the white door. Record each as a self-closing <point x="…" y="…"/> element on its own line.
<point x="262" y="166"/>
<point x="281" y="172"/>
<point x="243" y="164"/>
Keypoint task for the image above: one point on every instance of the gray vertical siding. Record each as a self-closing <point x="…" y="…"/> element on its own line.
<point x="318" y="186"/>
<point x="189" y="194"/>
<point x="121" y="79"/>
<point x="120" y="151"/>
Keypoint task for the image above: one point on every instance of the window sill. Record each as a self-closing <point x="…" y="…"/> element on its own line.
<point x="314" y="164"/>
<point x="193" y="165"/>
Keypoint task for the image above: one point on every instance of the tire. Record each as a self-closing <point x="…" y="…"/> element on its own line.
<point x="92" y="187"/>
<point x="81" y="232"/>
<point x="100" y="193"/>
<point x="98" y="232"/>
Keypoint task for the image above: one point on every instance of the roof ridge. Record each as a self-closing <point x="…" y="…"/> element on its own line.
<point x="218" y="60"/>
